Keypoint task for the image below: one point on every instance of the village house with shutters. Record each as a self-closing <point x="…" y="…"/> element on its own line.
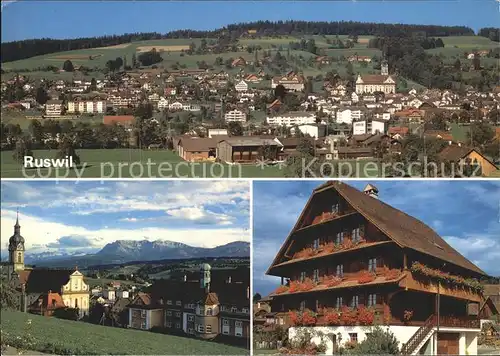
<point x="352" y="261"/>
<point x="211" y="305"/>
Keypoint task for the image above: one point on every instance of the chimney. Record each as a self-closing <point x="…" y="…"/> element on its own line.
<point x="371" y="190"/>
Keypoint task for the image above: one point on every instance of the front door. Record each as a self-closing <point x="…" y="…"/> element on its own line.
<point x="448" y="344"/>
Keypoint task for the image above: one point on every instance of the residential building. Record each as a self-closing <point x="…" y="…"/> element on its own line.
<point x="462" y="155"/>
<point x="242" y="86"/>
<point x="54" y="108"/>
<point x="348" y="115"/>
<point x="92" y="106"/>
<point x="368" y="127"/>
<point x="292" y="118"/>
<point x="162" y="103"/>
<point x="194" y="149"/>
<point x="362" y="262"/>
<point x="313" y="130"/>
<point x="291" y="81"/>
<point x="247" y="149"/>
<point x="207" y="306"/>
<point x="235" y="115"/>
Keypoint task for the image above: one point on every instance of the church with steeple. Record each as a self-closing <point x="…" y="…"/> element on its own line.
<point x="42" y="290"/>
<point x="16" y="250"/>
<point x="372" y="83"/>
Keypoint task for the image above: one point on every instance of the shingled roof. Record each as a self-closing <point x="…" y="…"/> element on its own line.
<point x="403" y="229"/>
<point x="45" y="280"/>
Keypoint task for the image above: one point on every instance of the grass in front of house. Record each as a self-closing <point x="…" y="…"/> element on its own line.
<point x="66" y="337"/>
<point x="130" y="163"/>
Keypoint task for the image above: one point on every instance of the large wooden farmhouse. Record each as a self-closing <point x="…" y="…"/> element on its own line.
<point x="352" y="261"/>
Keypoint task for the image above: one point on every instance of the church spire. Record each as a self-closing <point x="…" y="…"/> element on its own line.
<point x="17" y="218"/>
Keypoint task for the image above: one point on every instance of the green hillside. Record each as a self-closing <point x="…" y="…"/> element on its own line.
<point x="66" y="337"/>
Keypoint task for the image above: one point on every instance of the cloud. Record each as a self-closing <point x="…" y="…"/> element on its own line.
<point x="73" y="241"/>
<point x="198" y="213"/>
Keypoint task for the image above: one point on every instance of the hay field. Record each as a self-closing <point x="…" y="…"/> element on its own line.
<point x="176" y="48"/>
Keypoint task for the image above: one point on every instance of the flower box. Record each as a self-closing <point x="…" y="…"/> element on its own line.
<point x="366" y="277"/>
<point x="281" y="290"/>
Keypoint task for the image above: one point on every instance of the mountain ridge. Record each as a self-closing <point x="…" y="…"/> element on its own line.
<point x="123" y="251"/>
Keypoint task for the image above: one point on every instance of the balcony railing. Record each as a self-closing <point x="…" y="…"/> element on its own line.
<point x="459" y="322"/>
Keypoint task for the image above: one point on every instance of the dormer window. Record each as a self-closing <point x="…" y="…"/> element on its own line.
<point x="316" y="244"/>
<point x="302" y="276"/>
<point x="340" y="270"/>
<point x="335" y="208"/>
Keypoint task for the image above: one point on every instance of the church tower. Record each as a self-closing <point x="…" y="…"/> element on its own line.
<point x="16" y="248"/>
<point x="384" y="67"/>
<point x="205" y="276"/>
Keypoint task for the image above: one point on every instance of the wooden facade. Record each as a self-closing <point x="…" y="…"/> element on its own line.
<point x="350" y="250"/>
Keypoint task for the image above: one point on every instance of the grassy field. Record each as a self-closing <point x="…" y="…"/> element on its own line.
<point x="105" y="163"/>
<point x="64" y="337"/>
<point x="454" y="46"/>
<point x="127" y="163"/>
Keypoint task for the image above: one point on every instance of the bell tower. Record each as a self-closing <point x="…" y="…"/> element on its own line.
<point x="384" y="67"/>
<point x="16" y="248"/>
<point x="205" y="276"/>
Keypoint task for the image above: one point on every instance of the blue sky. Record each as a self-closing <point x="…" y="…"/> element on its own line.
<point x="72" y="216"/>
<point x="465" y="213"/>
<point x="68" y="19"/>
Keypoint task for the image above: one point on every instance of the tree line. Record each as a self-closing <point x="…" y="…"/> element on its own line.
<point x="16" y="50"/>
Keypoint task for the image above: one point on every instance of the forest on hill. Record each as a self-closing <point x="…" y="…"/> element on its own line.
<point x="16" y="50"/>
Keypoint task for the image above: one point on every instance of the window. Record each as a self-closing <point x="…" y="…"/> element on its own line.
<point x="356" y="236"/>
<point x="19" y="257"/>
<point x="340" y="238"/>
<point x="201" y="329"/>
<point x="225" y="322"/>
<point x="302" y="305"/>
<point x="245" y="310"/>
<point x="238" y="324"/>
<point x="340" y="270"/>
<point x="169" y="302"/>
<point x="353" y="337"/>
<point x="143" y="325"/>
<point x="339" y="303"/>
<point x="335" y="208"/>
<point x="316" y="244"/>
<point x="190" y="331"/>
<point x="355" y="301"/>
<point x="372" y="300"/>
<point x="177" y="325"/>
<point x="169" y="313"/>
<point x="143" y="313"/>
<point x="302" y="276"/>
<point x="169" y="324"/>
<point x="178" y="314"/>
<point x="234" y="310"/>
<point x="190" y="318"/>
<point x="372" y="264"/>
<point x="209" y="311"/>
<point x="209" y="328"/>
<point x="178" y="303"/>
<point x="316" y="275"/>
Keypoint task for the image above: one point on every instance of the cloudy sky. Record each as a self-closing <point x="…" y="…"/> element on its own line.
<point x="84" y="216"/>
<point x="465" y="213"/>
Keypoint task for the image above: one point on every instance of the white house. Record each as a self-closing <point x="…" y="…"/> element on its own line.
<point x="162" y="103"/>
<point x="235" y="116"/>
<point x="242" y="86"/>
<point x="292" y="118"/>
<point x="313" y="130"/>
<point x="348" y="115"/>
<point x="368" y="127"/>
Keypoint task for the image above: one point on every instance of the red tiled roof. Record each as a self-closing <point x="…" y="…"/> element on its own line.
<point x="374" y="78"/>
<point x="108" y="120"/>
<point x="48" y="301"/>
<point x="402" y="130"/>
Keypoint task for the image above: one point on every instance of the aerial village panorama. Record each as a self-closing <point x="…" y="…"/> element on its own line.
<point x="257" y="99"/>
